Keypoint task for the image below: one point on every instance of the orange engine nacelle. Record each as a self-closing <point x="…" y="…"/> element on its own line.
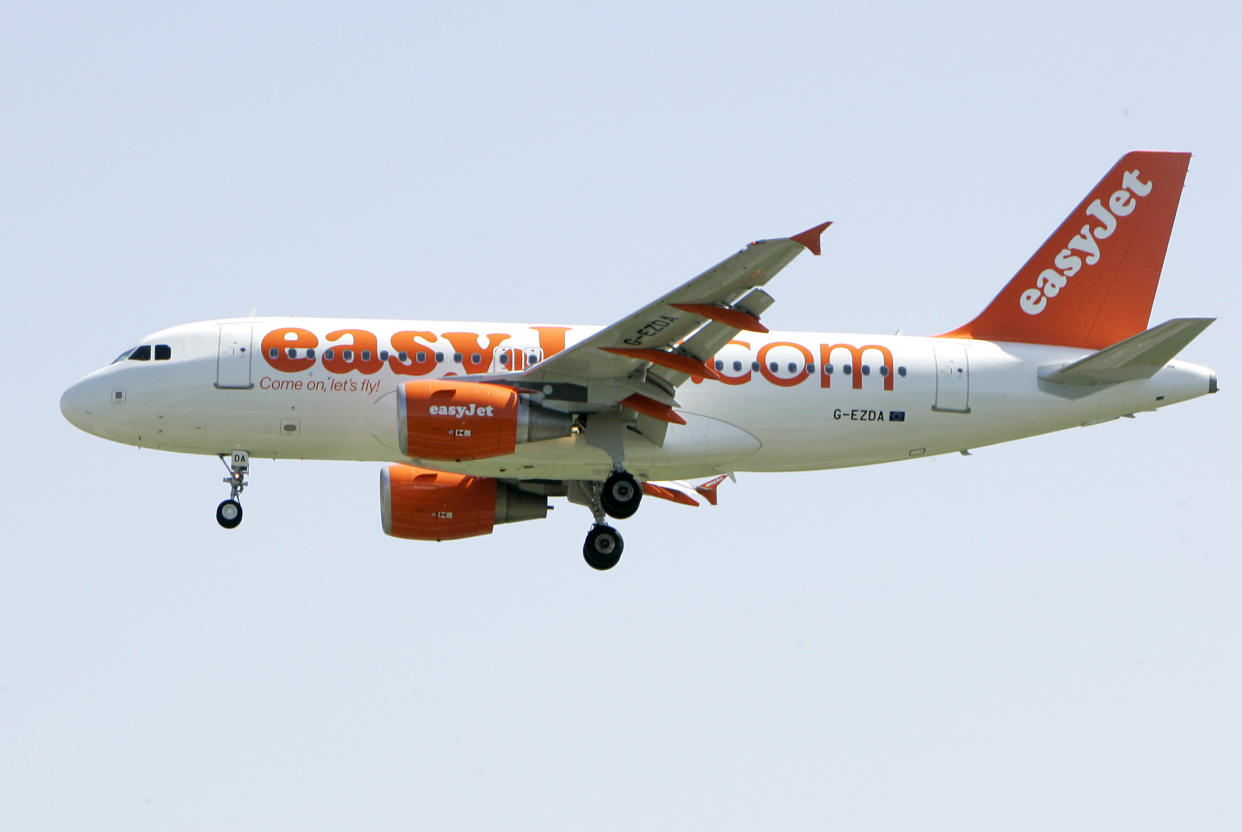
<point x="421" y="504"/>
<point x="468" y="420"/>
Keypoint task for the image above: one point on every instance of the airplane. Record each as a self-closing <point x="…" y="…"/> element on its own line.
<point x="483" y="423"/>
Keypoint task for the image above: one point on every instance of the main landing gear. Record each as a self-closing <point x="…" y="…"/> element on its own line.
<point x="603" y="547"/>
<point x="618" y="496"/>
<point x="229" y="512"/>
<point x="621" y="495"/>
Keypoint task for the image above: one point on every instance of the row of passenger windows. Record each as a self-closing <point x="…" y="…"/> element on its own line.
<point x="162" y="352"/>
<point x="421" y="356"/>
<point x="810" y="368"/>
<point x="403" y="356"/>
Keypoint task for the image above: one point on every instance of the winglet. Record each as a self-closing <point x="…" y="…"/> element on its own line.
<point x="708" y="489"/>
<point x="810" y="237"/>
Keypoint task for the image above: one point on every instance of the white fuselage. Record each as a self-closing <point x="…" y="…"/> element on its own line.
<point x="790" y="400"/>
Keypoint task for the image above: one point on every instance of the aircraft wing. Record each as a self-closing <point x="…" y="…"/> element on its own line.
<point x="652" y="351"/>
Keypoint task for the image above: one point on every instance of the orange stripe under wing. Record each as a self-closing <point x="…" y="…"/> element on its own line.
<point x="726" y="315"/>
<point x="674" y="361"/>
<point x="653" y="490"/>
<point x="652" y="408"/>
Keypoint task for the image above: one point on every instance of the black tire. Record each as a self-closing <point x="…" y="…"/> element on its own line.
<point x="229" y="514"/>
<point x="603" y="548"/>
<point x="621" y="495"/>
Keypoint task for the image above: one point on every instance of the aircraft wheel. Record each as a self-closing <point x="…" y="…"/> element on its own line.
<point x="621" y="495"/>
<point x="603" y="547"/>
<point x="229" y="514"/>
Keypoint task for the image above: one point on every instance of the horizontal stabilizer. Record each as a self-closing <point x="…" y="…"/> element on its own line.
<point x="1137" y="357"/>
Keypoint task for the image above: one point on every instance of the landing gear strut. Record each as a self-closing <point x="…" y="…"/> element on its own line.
<point x="229" y="512"/>
<point x="617" y="496"/>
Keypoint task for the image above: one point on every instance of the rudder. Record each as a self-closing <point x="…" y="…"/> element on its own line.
<point x="1092" y="283"/>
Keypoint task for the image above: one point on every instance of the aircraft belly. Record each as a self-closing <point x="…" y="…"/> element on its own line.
<point x="702" y="447"/>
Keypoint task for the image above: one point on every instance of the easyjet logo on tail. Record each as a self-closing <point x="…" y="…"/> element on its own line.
<point x="1083" y="247"/>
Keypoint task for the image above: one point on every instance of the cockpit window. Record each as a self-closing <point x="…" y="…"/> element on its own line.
<point x="163" y="352"/>
<point x="123" y="356"/>
<point x="142" y="353"/>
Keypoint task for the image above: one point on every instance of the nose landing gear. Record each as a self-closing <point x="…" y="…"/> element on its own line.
<point x="229" y="512"/>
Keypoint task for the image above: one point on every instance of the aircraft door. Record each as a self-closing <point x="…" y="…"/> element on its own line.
<point x="515" y="359"/>
<point x="952" y="377"/>
<point x="233" y="362"/>
<point x="507" y="360"/>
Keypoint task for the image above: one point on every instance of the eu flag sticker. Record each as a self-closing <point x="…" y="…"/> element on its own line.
<point x="896" y="415"/>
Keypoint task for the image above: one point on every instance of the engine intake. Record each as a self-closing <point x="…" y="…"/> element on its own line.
<point x="422" y="504"/>
<point x="467" y="420"/>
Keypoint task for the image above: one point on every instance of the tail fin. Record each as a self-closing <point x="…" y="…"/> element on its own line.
<point x="1092" y="283"/>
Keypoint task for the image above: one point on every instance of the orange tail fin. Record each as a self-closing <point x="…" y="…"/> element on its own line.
<point x="1093" y="282"/>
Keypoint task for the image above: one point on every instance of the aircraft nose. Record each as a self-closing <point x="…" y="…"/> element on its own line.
<point x="78" y="405"/>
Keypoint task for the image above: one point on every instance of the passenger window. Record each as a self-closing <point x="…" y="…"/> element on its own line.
<point x="475" y="358"/>
<point x="420" y="357"/>
<point x="847" y="369"/>
<point x="866" y="369"/>
<point x="827" y="369"/>
<point x="901" y="371"/>
<point x="289" y="351"/>
<point x="163" y="352"/>
<point x="754" y="366"/>
<point x="348" y="355"/>
<point x="737" y="366"/>
<point x="366" y="356"/>
<point x="810" y="368"/>
<point x="884" y="370"/>
<point x="439" y="358"/>
<point x="504" y="359"/>
<point x="142" y="353"/>
<point x="328" y="354"/>
<point x="457" y="357"/>
<point x="310" y="353"/>
<point x="719" y="364"/>
<point x="793" y="368"/>
<point x="383" y="355"/>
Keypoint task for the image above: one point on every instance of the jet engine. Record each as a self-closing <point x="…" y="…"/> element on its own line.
<point x="468" y="420"/>
<point x="422" y="504"/>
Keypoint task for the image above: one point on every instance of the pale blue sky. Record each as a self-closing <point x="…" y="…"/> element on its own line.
<point x="1042" y="635"/>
